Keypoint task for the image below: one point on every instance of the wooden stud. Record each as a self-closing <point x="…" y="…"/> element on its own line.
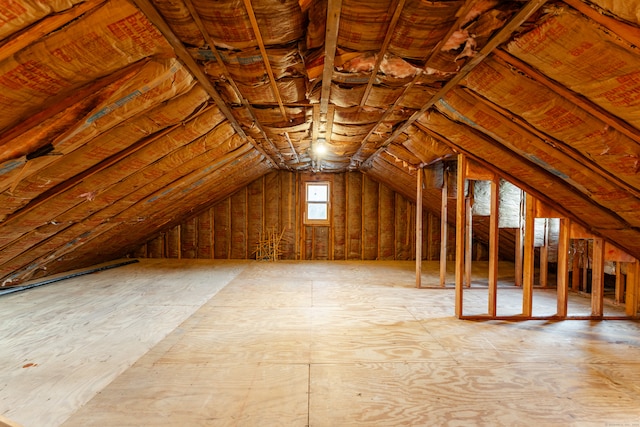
<point x="383" y="49"/>
<point x="597" y="278"/>
<point x="501" y="36"/>
<point x="564" y="243"/>
<point x="575" y="265"/>
<point x="444" y="228"/>
<point x="631" y="294"/>
<point x="460" y="233"/>
<point x="544" y="256"/>
<point x="518" y="244"/>
<point x="429" y="248"/>
<point x="334" y="7"/>
<point x="494" y="234"/>
<point x="419" y="179"/>
<point x="528" y="261"/>
<point x="468" y="246"/>
<point x="620" y="282"/>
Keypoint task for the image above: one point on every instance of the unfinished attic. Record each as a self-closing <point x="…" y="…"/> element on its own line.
<point x="425" y="173"/>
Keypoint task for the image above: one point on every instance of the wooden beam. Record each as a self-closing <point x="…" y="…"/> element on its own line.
<point x="577" y="99"/>
<point x="619" y="295"/>
<point x="571" y="152"/>
<point x="234" y="86"/>
<point x="383" y="50"/>
<point x="468" y="229"/>
<point x="494" y="234"/>
<point x="334" y="7"/>
<point x="265" y="56"/>
<point x="528" y="263"/>
<point x="444" y="228"/>
<point x="293" y="148"/>
<point x="59" y="105"/>
<point x="461" y="16"/>
<point x="564" y="244"/>
<point x="633" y="288"/>
<point x="500" y="37"/>
<point x="597" y="278"/>
<point x="625" y="31"/>
<point x="183" y="54"/>
<point x="544" y="255"/>
<point x="419" y="179"/>
<point x="575" y="265"/>
<point x="53" y="22"/>
<point x="519" y="242"/>
<point x="460" y="233"/>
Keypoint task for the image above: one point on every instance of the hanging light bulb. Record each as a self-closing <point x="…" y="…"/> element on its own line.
<point x="320" y="147"/>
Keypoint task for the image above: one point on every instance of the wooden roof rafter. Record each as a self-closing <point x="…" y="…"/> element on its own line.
<point x="513" y="179"/>
<point x="46" y="26"/>
<point x="383" y="50"/>
<point x="590" y="107"/>
<point x="156" y="19"/>
<point x="505" y="32"/>
<point x="265" y="57"/>
<point x="561" y="146"/>
<point x="232" y="82"/>
<point x="334" y="8"/>
<point x="461" y="16"/>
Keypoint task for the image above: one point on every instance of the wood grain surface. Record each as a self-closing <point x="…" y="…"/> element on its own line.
<point x="349" y="343"/>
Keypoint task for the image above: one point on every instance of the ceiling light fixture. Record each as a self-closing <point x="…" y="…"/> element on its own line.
<point x="320" y="147"/>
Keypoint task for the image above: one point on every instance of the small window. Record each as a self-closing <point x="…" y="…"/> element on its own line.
<point x="317" y="203"/>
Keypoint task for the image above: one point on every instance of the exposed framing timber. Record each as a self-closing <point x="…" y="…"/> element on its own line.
<point x="562" y="147"/>
<point x="633" y="288"/>
<point x="152" y="14"/>
<point x="460" y="233"/>
<point x="444" y="229"/>
<point x="597" y="278"/>
<point x="48" y="25"/>
<point x="462" y="12"/>
<point x="293" y="148"/>
<point x="59" y="105"/>
<point x="531" y="7"/>
<point x="627" y="32"/>
<point x="419" y="183"/>
<point x="265" y="56"/>
<point x="234" y="86"/>
<point x="334" y="8"/>
<point x="383" y="50"/>
<point x="564" y="244"/>
<point x="494" y="234"/>
<point x="595" y="110"/>
<point x="468" y="229"/>
<point x="528" y="263"/>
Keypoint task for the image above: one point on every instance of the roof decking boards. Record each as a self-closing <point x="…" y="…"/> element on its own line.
<point x="117" y="118"/>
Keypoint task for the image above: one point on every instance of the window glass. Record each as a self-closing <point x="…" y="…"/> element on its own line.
<point x="317" y="192"/>
<point x="317" y="211"/>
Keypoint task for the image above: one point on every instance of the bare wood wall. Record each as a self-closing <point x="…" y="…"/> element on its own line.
<point x="369" y="221"/>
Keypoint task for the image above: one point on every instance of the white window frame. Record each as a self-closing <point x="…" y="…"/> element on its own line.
<point x="327" y="202"/>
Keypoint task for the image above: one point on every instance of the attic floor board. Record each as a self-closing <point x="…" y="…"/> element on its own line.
<point x="223" y="343"/>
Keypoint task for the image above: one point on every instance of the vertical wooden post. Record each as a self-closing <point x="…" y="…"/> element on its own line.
<point x="631" y="295"/>
<point x="597" y="279"/>
<point x="544" y="256"/>
<point x="444" y="227"/>
<point x="494" y="233"/>
<point x="519" y="243"/>
<point x="575" y="267"/>
<point x="468" y="245"/>
<point x="460" y="231"/>
<point x="619" y="283"/>
<point x="564" y="242"/>
<point x="528" y="261"/>
<point x="419" y="173"/>
<point x="429" y="236"/>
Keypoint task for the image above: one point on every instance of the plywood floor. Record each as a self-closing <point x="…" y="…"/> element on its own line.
<point x="203" y="343"/>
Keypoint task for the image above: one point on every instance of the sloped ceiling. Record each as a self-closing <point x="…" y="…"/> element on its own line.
<point x="119" y="118"/>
